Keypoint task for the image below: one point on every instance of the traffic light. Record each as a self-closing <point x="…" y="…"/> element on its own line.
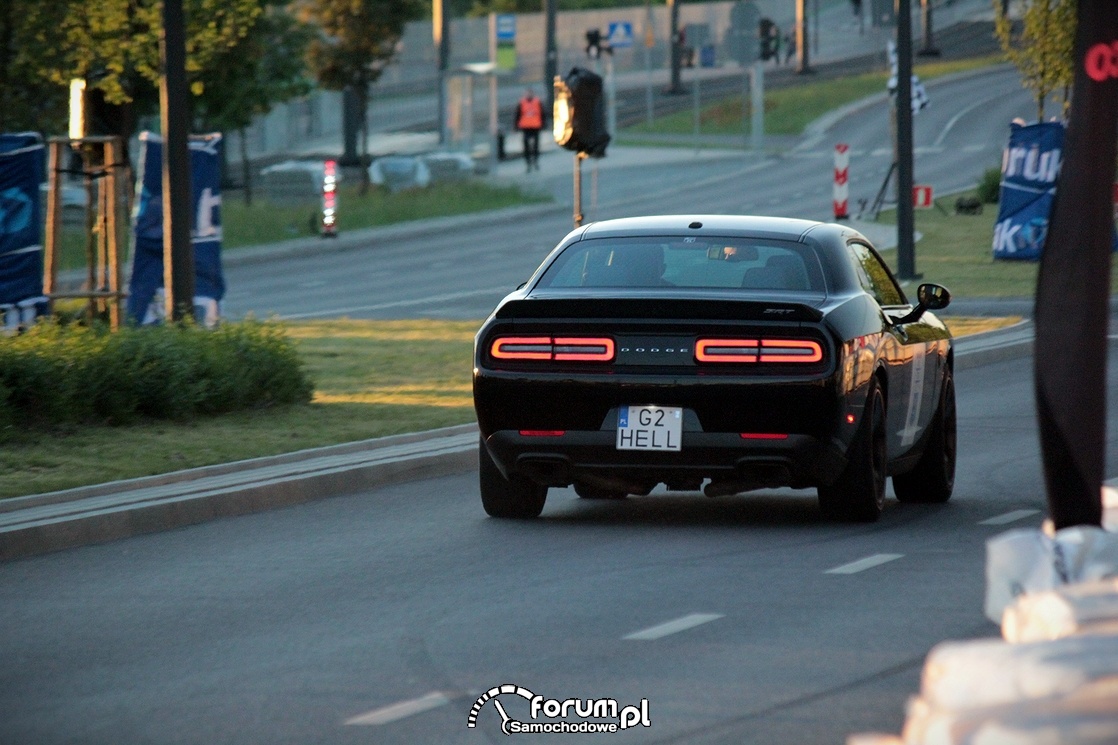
<point x="593" y="43"/>
<point x="578" y="115"/>
<point x="766" y="33"/>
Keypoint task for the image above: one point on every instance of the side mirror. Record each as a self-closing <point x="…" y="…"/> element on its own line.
<point x="933" y="296"/>
<point x="929" y="296"/>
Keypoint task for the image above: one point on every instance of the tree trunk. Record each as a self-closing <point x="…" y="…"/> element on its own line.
<point x="363" y="102"/>
<point x="246" y="171"/>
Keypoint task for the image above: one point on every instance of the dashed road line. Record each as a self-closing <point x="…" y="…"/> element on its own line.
<point x="1008" y="517"/>
<point x="401" y="710"/>
<point x="863" y="564"/>
<point x="659" y="631"/>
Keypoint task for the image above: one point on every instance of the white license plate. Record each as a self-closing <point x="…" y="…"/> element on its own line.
<point x="649" y="428"/>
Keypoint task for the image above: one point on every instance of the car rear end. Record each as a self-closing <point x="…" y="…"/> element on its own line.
<point x="626" y="392"/>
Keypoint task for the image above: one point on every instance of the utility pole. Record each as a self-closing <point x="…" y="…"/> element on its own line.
<point x="927" y="31"/>
<point x="676" y="47"/>
<point x="906" y="248"/>
<point x="803" y="58"/>
<point x="551" y="54"/>
<point x="174" y="118"/>
<point x="440" y="30"/>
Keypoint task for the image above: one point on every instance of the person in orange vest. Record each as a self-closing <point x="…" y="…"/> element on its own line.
<point x="529" y="120"/>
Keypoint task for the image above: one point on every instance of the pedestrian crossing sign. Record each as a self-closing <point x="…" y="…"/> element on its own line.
<point x="620" y="34"/>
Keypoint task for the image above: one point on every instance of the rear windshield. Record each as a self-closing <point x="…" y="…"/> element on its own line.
<point x="690" y="263"/>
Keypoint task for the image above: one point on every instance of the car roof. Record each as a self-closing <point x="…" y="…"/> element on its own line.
<point x="788" y="228"/>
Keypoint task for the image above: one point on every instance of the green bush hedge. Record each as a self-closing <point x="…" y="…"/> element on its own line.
<point x="989" y="188"/>
<point x="74" y="374"/>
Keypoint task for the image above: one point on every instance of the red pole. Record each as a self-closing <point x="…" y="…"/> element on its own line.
<point x="842" y="181"/>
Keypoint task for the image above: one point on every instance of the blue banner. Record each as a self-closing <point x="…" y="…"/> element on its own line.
<point x="21" y="246"/>
<point x="1030" y="167"/>
<point x="205" y="230"/>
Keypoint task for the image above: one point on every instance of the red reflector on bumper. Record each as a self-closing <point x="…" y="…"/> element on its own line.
<point x="763" y="436"/>
<point x="543" y="432"/>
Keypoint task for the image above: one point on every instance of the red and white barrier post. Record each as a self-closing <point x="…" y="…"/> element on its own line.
<point x="842" y="181"/>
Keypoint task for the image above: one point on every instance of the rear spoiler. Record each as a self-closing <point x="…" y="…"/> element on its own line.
<point x="668" y="308"/>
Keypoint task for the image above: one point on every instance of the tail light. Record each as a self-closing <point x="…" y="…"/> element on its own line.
<point x="558" y="348"/>
<point x="758" y="350"/>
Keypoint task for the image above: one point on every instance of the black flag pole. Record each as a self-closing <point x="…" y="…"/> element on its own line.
<point x="1073" y="289"/>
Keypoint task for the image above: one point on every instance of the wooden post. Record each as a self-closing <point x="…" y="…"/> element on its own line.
<point x="54" y="220"/>
<point x="113" y="168"/>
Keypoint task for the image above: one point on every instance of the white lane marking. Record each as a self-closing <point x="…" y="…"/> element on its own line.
<point x="863" y="564"/>
<point x="1008" y="517"/>
<point x="689" y="621"/>
<point x="955" y="120"/>
<point x="401" y="710"/>
<point x="430" y="300"/>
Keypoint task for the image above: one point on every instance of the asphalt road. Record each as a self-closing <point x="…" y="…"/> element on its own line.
<point x="383" y="616"/>
<point x="464" y="272"/>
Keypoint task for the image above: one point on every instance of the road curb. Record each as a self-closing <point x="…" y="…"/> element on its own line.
<point x="97" y="514"/>
<point x="100" y="513"/>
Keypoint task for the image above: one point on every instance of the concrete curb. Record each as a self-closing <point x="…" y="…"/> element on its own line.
<point x="76" y="517"/>
<point x="41" y="523"/>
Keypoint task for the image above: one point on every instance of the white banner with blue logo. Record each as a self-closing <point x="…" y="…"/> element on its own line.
<point x="1030" y="167"/>
<point x="21" y="246"/>
<point x="145" y="303"/>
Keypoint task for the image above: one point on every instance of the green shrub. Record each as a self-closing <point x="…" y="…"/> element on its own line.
<point x="73" y="374"/>
<point x="989" y="188"/>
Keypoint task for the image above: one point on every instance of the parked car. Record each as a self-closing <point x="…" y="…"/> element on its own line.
<point x="722" y="353"/>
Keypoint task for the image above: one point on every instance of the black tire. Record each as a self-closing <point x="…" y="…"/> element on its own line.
<point x="514" y="497"/>
<point x="933" y="478"/>
<point x="586" y="491"/>
<point x="859" y="493"/>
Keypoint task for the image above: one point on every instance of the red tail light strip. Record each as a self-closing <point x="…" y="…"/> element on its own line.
<point x="758" y="350"/>
<point x="584" y="350"/>
<point x="521" y="348"/>
<point x="790" y="350"/>
<point x="562" y="349"/>
<point x="727" y="350"/>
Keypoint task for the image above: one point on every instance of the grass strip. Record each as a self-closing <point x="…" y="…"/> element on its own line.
<point x="789" y="110"/>
<point x="957" y="252"/>
<point x="373" y="378"/>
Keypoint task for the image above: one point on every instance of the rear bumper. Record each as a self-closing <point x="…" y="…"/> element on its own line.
<point x="798" y="461"/>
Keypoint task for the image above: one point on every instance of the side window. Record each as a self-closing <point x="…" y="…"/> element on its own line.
<point x="874" y="276"/>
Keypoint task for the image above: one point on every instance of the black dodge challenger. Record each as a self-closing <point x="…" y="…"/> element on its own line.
<point x="720" y="353"/>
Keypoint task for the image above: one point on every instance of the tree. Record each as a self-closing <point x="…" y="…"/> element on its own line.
<point x="263" y="68"/>
<point x="114" y="46"/>
<point x="29" y="100"/>
<point x="358" y="39"/>
<point x="1042" y="49"/>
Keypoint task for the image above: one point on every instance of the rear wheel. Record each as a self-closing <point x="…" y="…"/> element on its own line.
<point x="859" y="493"/>
<point x="514" y="497"/>
<point x="933" y="479"/>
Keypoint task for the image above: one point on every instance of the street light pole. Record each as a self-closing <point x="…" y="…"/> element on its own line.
<point x="174" y="117"/>
<point x="676" y="50"/>
<point x="906" y="244"/>
<point x="551" y="55"/>
<point x="440" y="30"/>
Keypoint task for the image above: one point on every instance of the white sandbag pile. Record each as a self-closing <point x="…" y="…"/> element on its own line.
<point x="1053" y="677"/>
